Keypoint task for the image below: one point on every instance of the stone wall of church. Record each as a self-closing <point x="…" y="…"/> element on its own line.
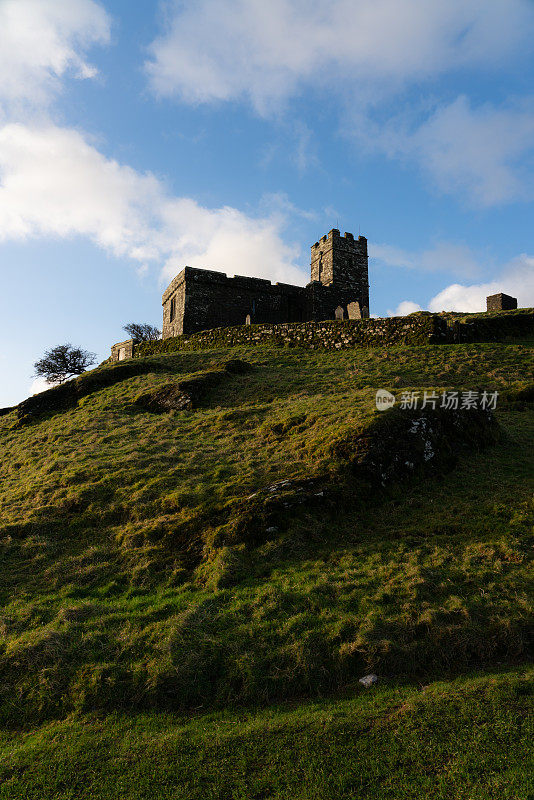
<point x="200" y="299"/>
<point x="206" y="299"/>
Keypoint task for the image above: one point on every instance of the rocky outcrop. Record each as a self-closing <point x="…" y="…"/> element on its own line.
<point x="398" y="445"/>
<point x="186" y="395"/>
<point x="401" y="442"/>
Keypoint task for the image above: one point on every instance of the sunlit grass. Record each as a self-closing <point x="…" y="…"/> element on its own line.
<point x="114" y="595"/>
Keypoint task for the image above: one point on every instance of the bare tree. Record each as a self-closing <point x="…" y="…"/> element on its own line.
<point x="142" y="332"/>
<point x="63" y="362"/>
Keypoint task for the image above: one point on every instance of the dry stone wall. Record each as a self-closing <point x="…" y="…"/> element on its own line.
<point x="330" y="335"/>
<point x="416" y="329"/>
<point x="496" y="328"/>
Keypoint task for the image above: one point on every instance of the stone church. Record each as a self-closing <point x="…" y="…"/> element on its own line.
<point x="199" y="299"/>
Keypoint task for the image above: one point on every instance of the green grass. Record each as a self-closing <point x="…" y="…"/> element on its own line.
<point x="466" y="316"/>
<point x="123" y="594"/>
<point x="469" y="739"/>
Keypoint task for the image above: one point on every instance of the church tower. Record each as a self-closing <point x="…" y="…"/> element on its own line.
<point x="341" y="263"/>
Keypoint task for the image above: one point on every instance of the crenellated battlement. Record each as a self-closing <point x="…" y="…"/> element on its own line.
<point x="335" y="236"/>
<point x="340" y="263"/>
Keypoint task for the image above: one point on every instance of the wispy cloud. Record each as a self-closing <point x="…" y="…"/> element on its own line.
<point x="447" y="257"/>
<point x="370" y="56"/>
<point x="217" y="50"/>
<point x="42" y="41"/>
<point x="482" y="153"/>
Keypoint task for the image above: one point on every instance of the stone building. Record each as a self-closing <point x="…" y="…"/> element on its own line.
<point x="122" y="350"/>
<point x="501" y="302"/>
<point x="199" y="299"/>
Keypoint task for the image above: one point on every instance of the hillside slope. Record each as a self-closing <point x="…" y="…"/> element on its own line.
<point x="467" y="739"/>
<point x="187" y="541"/>
<point x="137" y="575"/>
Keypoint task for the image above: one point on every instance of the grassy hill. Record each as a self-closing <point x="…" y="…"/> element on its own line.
<point x="189" y="597"/>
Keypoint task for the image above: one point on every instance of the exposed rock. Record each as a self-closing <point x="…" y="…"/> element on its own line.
<point x="173" y="396"/>
<point x="167" y="398"/>
<point x="198" y="386"/>
<point x="368" y="680"/>
<point x="393" y="448"/>
<point x="187" y="394"/>
<point x="400" y="441"/>
<point x="265" y="510"/>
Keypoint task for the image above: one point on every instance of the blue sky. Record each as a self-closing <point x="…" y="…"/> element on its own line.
<point x="136" y="138"/>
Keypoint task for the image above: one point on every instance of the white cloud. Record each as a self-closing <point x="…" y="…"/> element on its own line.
<point x="53" y="182"/>
<point x="479" y="152"/>
<point x="405" y="308"/>
<point x="368" y="55"/>
<point x="219" y="50"/>
<point x="225" y="239"/>
<point x="516" y="279"/>
<point x="443" y="257"/>
<point x="43" y="40"/>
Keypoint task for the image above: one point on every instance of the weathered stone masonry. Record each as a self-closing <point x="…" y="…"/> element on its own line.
<point x="122" y="350"/>
<point x="329" y="335"/>
<point x="416" y="329"/>
<point x="339" y="277"/>
<point x="199" y="299"/>
<point x="501" y="302"/>
<point x="206" y="308"/>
